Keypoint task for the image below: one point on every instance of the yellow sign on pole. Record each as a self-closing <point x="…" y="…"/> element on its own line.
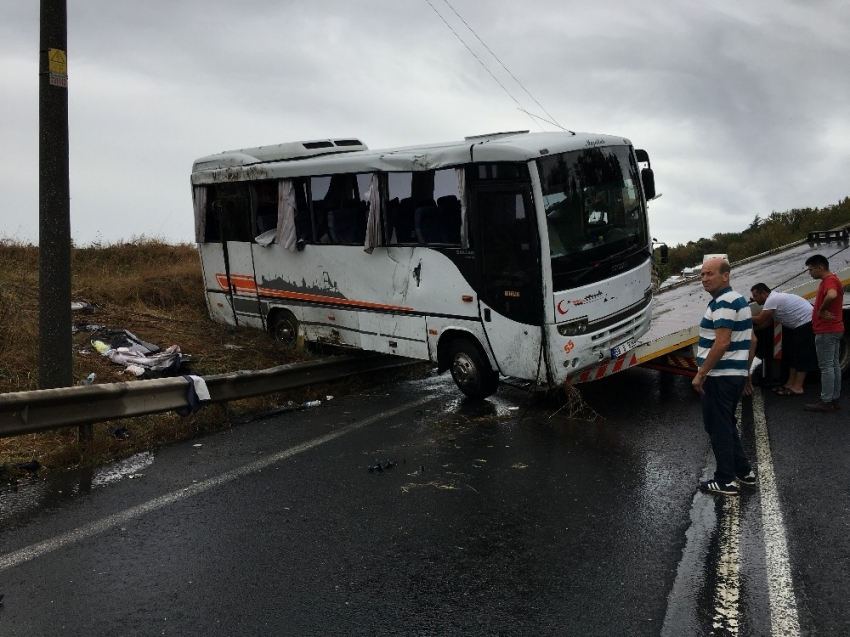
<point x="57" y="61"/>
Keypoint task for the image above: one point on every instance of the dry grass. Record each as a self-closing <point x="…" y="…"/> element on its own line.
<point x="152" y="289"/>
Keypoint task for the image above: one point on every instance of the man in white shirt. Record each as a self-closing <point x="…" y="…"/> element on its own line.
<point x="798" y="340"/>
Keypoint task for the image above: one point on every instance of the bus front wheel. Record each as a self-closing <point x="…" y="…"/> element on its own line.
<point x="471" y="370"/>
<point x="284" y="328"/>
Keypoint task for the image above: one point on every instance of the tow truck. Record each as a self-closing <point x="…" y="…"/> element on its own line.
<point x="670" y="343"/>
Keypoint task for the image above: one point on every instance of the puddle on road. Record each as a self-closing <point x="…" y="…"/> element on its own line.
<point x="42" y="494"/>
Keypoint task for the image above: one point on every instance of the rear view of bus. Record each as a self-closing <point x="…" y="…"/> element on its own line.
<point x="505" y="255"/>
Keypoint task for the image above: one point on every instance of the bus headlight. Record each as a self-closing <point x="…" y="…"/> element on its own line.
<point x="573" y="327"/>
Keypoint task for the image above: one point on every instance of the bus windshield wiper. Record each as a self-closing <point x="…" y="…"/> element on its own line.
<point x="581" y="274"/>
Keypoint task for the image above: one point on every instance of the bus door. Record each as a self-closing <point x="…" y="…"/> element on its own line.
<point x="233" y="209"/>
<point x="510" y="293"/>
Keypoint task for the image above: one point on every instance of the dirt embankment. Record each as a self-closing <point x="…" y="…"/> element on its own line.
<point x="155" y="291"/>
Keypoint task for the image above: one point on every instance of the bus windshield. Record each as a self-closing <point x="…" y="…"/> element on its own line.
<point x="594" y="211"/>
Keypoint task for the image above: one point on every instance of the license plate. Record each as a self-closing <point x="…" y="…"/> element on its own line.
<point x="618" y="351"/>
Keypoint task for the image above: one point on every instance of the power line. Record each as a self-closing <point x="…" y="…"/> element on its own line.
<point x="484" y="44"/>
<point x="543" y="119"/>
<point x="481" y="62"/>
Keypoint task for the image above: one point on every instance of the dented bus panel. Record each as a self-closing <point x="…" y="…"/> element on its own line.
<point x="516" y="254"/>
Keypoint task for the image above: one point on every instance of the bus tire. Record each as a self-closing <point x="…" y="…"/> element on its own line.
<point x="284" y="328"/>
<point x="471" y="370"/>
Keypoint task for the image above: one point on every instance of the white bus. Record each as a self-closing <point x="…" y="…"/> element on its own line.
<point x="513" y="254"/>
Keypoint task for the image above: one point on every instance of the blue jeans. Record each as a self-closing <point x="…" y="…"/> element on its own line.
<point x="827" y="346"/>
<point x="719" y="403"/>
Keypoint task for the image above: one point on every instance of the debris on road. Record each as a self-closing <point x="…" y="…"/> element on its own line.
<point x="86" y="327"/>
<point x="575" y="405"/>
<point x="119" y="432"/>
<point x="82" y="306"/>
<point x="197" y="395"/>
<point x="380" y="467"/>
<point x="283" y="409"/>
<point x="124" y="348"/>
<point x="88" y="380"/>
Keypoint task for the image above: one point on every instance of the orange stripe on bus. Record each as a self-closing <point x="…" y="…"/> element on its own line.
<point x="240" y="282"/>
<point x="300" y="296"/>
<point x="245" y="283"/>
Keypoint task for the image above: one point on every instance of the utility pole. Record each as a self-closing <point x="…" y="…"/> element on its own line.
<point x="54" y="205"/>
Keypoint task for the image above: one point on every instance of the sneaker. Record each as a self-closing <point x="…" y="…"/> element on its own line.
<point x="748" y="480"/>
<point x="822" y="407"/>
<point x="713" y="486"/>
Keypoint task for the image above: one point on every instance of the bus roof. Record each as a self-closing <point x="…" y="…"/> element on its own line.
<point x="271" y="162"/>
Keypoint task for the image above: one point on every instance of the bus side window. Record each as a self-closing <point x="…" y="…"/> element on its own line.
<point x="264" y="198"/>
<point x="439" y="222"/>
<point x="401" y="221"/>
<point x="303" y="222"/>
<point x="348" y="213"/>
<point x="319" y="189"/>
<point x="212" y="229"/>
<point x="229" y="217"/>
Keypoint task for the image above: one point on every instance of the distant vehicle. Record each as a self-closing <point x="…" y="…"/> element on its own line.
<point x="670" y="281"/>
<point x="525" y="255"/>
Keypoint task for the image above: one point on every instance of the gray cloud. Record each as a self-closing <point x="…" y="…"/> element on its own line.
<point x="742" y="106"/>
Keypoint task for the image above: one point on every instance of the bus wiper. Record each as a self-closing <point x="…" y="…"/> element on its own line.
<point x="581" y="274"/>
<point x="629" y="247"/>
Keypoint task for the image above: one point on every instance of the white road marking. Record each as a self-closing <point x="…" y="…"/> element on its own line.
<point x="99" y="526"/>
<point x="783" y="605"/>
<point x="682" y="602"/>
<point x="727" y="591"/>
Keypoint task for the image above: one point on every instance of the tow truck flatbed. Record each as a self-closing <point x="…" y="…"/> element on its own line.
<point x="678" y="309"/>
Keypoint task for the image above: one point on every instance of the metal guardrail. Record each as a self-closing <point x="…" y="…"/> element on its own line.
<point x="44" y="409"/>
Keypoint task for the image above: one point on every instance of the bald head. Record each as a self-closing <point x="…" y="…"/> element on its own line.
<point x="722" y="265"/>
<point x="715" y="275"/>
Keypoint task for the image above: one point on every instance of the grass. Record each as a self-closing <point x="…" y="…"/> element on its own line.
<point x="155" y="291"/>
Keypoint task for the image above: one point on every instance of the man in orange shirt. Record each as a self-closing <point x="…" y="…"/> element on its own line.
<point x="828" y="326"/>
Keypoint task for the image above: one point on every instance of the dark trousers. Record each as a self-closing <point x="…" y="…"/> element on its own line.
<point x="719" y="403"/>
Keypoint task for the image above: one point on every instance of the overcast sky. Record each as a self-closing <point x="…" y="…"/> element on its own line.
<point x="744" y="107"/>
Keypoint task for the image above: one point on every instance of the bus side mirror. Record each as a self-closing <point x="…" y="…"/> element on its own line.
<point x="646" y="176"/>
<point x="648" y="180"/>
<point x="663" y="252"/>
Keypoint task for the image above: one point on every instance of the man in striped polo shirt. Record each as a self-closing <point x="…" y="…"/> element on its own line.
<point x="725" y="353"/>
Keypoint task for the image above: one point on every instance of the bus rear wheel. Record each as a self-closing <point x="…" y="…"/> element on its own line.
<point x="471" y="370"/>
<point x="284" y="328"/>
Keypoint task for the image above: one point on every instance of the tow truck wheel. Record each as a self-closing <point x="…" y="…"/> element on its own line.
<point x="284" y="328"/>
<point x="471" y="370"/>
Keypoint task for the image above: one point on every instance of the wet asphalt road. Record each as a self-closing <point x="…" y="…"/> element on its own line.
<point x="500" y="518"/>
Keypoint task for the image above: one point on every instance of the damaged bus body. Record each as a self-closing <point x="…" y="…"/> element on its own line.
<point x="514" y="254"/>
